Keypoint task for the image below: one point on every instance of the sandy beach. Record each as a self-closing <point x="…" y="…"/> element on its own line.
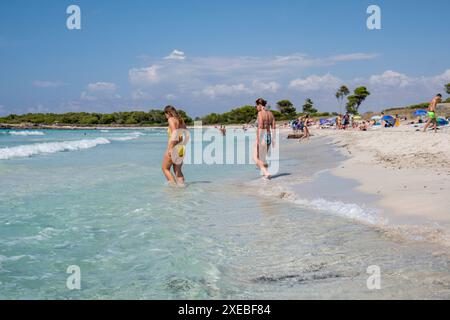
<point x="407" y="169"/>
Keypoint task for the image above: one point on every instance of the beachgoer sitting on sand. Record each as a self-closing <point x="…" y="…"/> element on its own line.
<point x="345" y="121"/>
<point x="339" y="122"/>
<point x="363" y="126"/>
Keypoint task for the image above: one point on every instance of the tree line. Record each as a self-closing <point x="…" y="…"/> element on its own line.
<point x="137" y="118"/>
<point x="285" y="110"/>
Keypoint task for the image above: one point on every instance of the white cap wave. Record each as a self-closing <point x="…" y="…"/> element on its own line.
<point x="24" y="151"/>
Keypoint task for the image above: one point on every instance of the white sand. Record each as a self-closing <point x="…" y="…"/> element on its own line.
<point x="409" y="170"/>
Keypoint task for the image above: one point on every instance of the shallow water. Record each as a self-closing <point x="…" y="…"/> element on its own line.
<point x="227" y="235"/>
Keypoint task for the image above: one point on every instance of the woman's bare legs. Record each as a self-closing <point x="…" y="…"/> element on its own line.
<point x="166" y="165"/>
<point x="178" y="174"/>
<point x="261" y="165"/>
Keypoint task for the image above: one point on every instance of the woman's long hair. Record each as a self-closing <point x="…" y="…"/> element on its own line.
<point x="261" y="101"/>
<point x="172" y="112"/>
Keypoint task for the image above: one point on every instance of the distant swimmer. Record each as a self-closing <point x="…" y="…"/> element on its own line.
<point x="432" y="119"/>
<point x="264" y="136"/>
<point x="223" y="130"/>
<point x="175" y="139"/>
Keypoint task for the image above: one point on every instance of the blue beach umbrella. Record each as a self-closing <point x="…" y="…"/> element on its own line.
<point x="389" y="119"/>
<point x="442" y="122"/>
<point x="420" y="113"/>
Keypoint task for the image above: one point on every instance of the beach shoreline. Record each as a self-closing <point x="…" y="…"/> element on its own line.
<point x="407" y="174"/>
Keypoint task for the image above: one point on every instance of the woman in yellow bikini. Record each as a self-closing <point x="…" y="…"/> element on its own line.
<point x="175" y="122"/>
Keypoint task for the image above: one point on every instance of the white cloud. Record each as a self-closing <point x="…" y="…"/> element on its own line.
<point x="102" y="87"/>
<point x="47" y="84"/>
<point x="354" y="57"/>
<point x="144" y="76"/>
<point x="315" y="82"/>
<point x="100" y="90"/>
<point x="225" y="90"/>
<point x="198" y="72"/>
<point x="139" y="95"/>
<point x="176" y="55"/>
<point x="39" y="108"/>
<point x="391" y="78"/>
<point x="393" y="83"/>
<point x="171" y="96"/>
<point x="261" y="86"/>
<point x="441" y="79"/>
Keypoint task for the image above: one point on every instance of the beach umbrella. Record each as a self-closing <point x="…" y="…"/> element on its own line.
<point x="389" y="119"/>
<point x="332" y="120"/>
<point x="420" y="113"/>
<point x="376" y="118"/>
<point x="442" y="122"/>
<point x="323" y="121"/>
<point x="357" y="117"/>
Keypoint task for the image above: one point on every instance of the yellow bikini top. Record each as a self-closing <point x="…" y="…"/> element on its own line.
<point x="182" y="149"/>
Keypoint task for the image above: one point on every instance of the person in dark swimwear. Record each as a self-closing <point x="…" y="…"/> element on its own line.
<point x="264" y="136"/>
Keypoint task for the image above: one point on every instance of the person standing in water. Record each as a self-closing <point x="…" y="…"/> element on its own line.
<point x="265" y="134"/>
<point x="432" y="119"/>
<point x="175" y="122"/>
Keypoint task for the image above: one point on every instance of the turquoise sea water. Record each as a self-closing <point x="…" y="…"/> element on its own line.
<point x="98" y="200"/>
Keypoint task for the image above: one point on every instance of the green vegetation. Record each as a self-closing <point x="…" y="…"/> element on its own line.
<point x="135" y="118"/>
<point x="242" y="115"/>
<point x="286" y="109"/>
<point x="411" y="107"/>
<point x="354" y="101"/>
<point x="308" y="107"/>
<point x="248" y="114"/>
<point x="342" y="92"/>
<point x="245" y="114"/>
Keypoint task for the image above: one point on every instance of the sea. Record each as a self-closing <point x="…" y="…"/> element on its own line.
<point x="87" y="214"/>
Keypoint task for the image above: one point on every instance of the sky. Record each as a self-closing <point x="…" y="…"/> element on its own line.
<point x="210" y="56"/>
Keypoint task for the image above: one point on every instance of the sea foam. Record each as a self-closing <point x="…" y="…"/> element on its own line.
<point x="131" y="136"/>
<point x="352" y="211"/>
<point x="24" y="151"/>
<point x="26" y="133"/>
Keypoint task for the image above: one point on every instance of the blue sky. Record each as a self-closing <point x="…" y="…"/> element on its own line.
<point x="209" y="56"/>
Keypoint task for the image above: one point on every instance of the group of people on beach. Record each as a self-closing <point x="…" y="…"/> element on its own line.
<point x="265" y="140"/>
<point x="265" y="131"/>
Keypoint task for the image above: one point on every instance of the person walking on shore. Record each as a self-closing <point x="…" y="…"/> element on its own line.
<point x="265" y="133"/>
<point x="176" y="122"/>
<point x="432" y="119"/>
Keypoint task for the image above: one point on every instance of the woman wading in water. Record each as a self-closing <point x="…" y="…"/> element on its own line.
<point x="265" y="136"/>
<point x="175" y="122"/>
